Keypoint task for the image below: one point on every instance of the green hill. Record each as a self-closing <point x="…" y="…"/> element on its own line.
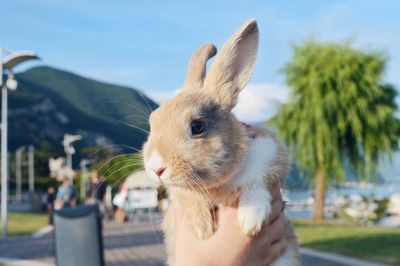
<point x="50" y="102"/>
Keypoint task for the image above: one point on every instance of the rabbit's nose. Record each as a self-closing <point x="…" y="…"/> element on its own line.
<point x="160" y="171"/>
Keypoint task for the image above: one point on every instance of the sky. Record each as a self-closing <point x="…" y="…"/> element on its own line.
<point x="147" y="44"/>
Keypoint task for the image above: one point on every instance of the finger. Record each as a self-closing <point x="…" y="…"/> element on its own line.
<point x="275" y="190"/>
<point x="277" y="229"/>
<point x="275" y="251"/>
<point x="276" y="209"/>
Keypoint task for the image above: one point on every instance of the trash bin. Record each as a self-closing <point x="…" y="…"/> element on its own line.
<point x="78" y="236"/>
<point x="36" y="201"/>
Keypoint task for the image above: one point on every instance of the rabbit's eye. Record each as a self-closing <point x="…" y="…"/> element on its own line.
<point x="197" y="127"/>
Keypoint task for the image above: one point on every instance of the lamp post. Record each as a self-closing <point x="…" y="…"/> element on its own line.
<point x="7" y="64"/>
<point x="69" y="151"/>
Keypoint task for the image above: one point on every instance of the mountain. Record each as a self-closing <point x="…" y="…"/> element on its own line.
<point x="50" y="102"/>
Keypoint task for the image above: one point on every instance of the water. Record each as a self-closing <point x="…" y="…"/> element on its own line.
<point x="300" y="201"/>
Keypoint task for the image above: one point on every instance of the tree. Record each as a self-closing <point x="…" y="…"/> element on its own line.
<point x="116" y="169"/>
<point x="340" y="112"/>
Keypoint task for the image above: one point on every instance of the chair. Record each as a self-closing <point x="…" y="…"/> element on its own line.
<point x="78" y="236"/>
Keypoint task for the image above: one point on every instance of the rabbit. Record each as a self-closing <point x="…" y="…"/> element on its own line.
<point x="206" y="157"/>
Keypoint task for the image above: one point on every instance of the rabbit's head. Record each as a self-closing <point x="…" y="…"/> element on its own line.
<point x="195" y="140"/>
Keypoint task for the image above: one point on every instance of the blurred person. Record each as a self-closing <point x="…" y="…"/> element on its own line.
<point x="66" y="195"/>
<point x="51" y="197"/>
<point x="96" y="191"/>
<point x="119" y="201"/>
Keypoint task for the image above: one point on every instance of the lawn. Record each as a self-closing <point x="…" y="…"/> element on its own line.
<point x="369" y="243"/>
<point x="25" y="223"/>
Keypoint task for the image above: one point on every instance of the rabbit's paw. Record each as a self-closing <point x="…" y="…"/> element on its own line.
<point x="200" y="221"/>
<point x="251" y="220"/>
<point x="254" y="208"/>
<point x="203" y="226"/>
<point x="203" y="230"/>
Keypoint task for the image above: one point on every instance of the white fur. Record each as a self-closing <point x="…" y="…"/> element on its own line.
<point x="254" y="204"/>
<point x="254" y="207"/>
<point x="258" y="158"/>
<point x="155" y="162"/>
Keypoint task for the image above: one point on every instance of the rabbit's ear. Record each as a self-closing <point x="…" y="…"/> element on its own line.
<point x="197" y="67"/>
<point x="233" y="66"/>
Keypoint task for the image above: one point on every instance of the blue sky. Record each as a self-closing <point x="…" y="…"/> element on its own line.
<point x="146" y="44"/>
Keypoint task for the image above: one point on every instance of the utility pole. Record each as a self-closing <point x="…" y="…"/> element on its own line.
<point x="84" y="177"/>
<point x="18" y="173"/>
<point x="31" y="163"/>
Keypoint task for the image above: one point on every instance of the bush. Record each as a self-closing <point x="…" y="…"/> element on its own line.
<point x="362" y="209"/>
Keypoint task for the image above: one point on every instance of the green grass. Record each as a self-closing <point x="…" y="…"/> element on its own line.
<point x="369" y="243"/>
<point x="25" y="223"/>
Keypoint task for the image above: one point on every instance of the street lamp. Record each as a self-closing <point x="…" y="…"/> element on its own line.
<point x="69" y="151"/>
<point x="7" y="64"/>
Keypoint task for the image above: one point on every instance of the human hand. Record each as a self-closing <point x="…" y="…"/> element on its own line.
<point x="228" y="245"/>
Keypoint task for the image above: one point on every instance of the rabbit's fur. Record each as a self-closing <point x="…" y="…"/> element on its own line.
<point x="227" y="161"/>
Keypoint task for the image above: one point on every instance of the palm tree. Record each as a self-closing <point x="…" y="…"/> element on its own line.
<point x="340" y="112"/>
<point x="115" y="169"/>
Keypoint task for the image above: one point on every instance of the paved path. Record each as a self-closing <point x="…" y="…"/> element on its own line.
<point x="127" y="244"/>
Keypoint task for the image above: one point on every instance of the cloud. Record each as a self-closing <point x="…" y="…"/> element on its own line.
<point x="257" y="102"/>
<point x="161" y="96"/>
